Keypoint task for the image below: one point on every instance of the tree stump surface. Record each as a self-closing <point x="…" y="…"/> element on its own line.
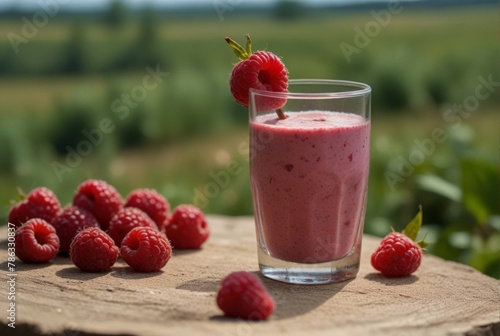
<point x="441" y="298"/>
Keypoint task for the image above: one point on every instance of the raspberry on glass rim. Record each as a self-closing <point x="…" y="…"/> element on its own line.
<point x="261" y="70"/>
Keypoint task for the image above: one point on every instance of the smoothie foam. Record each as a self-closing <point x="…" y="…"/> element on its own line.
<point x="309" y="183"/>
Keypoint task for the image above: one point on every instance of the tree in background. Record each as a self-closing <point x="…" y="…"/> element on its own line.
<point x="75" y="60"/>
<point x="144" y="50"/>
<point x="288" y="9"/>
<point x="116" y="15"/>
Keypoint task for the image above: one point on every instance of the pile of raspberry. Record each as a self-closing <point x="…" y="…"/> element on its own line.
<point x="99" y="226"/>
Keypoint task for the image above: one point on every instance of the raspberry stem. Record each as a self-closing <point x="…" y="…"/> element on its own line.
<point x="281" y="114"/>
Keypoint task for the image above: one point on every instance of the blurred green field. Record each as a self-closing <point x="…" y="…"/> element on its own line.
<point x="189" y="127"/>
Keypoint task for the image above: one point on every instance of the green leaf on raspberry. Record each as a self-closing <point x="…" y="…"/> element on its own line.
<point x="21" y="196"/>
<point x="413" y="228"/>
<point x="422" y="243"/>
<point x="238" y="50"/>
<point x="248" y="46"/>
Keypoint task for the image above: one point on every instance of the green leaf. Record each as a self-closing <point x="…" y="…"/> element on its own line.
<point x="423" y="244"/>
<point x="237" y="49"/>
<point x="21" y="196"/>
<point x="248" y="47"/>
<point x="413" y="228"/>
<point x="439" y="186"/>
<point x="485" y="255"/>
<point x="480" y="184"/>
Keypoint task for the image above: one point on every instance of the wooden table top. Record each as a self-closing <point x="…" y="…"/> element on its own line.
<point x="441" y="298"/>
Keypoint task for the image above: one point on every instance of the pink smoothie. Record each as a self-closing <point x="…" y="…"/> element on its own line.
<point x="309" y="177"/>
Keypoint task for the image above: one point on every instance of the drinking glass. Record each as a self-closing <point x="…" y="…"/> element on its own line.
<point x="309" y="163"/>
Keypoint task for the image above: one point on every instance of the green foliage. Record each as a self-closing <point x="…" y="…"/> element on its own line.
<point x="437" y="89"/>
<point x="7" y="147"/>
<point x="480" y="184"/>
<point x="390" y="92"/>
<point x="471" y="231"/>
<point x="66" y="130"/>
<point x="459" y="190"/>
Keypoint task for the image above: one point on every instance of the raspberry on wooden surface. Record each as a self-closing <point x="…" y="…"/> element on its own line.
<point x="71" y="221"/>
<point x="125" y="220"/>
<point x="36" y="241"/>
<point x="145" y="249"/>
<point x="41" y="203"/>
<point x="152" y="203"/>
<point x="187" y="228"/>
<point x="398" y="254"/>
<point x="243" y="295"/>
<point x="100" y="198"/>
<point x="93" y="250"/>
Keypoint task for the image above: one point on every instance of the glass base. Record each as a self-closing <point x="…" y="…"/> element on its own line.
<point x="310" y="274"/>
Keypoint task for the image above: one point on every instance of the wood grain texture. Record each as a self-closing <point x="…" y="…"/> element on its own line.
<point x="441" y="298"/>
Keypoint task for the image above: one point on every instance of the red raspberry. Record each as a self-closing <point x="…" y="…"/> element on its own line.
<point x="152" y="203"/>
<point x="36" y="241"/>
<point x="40" y="203"/>
<point x="187" y="228"/>
<point x="71" y="221"/>
<point x="397" y="256"/>
<point x="145" y="249"/>
<point x="243" y="295"/>
<point x="261" y="70"/>
<point x="92" y="250"/>
<point x="125" y="220"/>
<point x="100" y="198"/>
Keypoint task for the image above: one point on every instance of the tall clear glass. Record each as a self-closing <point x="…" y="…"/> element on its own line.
<point x="309" y="175"/>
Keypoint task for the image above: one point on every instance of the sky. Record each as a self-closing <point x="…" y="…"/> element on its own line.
<point x="74" y="4"/>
